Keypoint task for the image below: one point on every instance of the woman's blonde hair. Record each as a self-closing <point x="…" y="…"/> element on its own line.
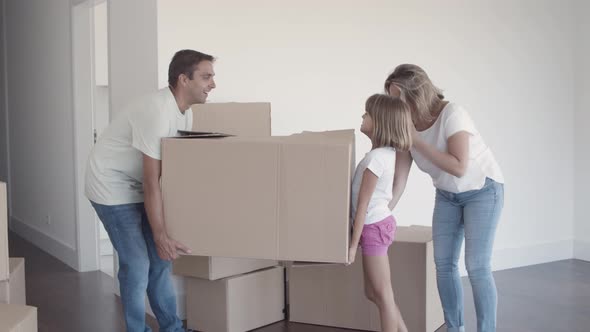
<point x="417" y="90"/>
<point x="392" y="121"/>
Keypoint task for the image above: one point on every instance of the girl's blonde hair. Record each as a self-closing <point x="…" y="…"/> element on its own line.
<point x="417" y="90"/>
<point x="392" y="121"/>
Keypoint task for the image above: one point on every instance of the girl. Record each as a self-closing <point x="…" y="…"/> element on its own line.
<point x="469" y="193"/>
<point x="387" y="122"/>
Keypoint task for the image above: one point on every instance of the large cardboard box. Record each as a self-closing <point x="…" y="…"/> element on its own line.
<point x="236" y="304"/>
<point x="13" y="290"/>
<point x="333" y="295"/>
<point x="282" y="198"/>
<point x="213" y="268"/>
<point x="17" y="318"/>
<point x="4" y="268"/>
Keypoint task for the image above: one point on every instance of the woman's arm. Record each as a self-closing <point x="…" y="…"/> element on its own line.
<point x="454" y="161"/>
<point x="368" y="184"/>
<point x="403" y="164"/>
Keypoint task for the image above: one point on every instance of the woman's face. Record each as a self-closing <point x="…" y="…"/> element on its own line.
<point x="394" y="91"/>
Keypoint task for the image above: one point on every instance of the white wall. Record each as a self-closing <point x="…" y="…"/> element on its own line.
<point x="3" y="114"/>
<point x="317" y="62"/>
<point x="101" y="63"/>
<point x="582" y="119"/>
<point x="39" y="71"/>
<point x="132" y="51"/>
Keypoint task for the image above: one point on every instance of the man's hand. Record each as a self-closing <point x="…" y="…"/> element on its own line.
<point x="168" y="248"/>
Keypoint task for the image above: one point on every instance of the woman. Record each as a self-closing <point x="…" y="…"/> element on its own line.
<point x="469" y="193"/>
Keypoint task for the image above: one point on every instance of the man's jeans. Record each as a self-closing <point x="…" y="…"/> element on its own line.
<point x="140" y="267"/>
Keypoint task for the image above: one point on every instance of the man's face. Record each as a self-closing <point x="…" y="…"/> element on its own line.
<point x="202" y="83"/>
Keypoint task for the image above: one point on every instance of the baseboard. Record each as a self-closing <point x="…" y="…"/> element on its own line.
<point x="508" y="258"/>
<point x="582" y="250"/>
<point x="52" y="246"/>
<point x="106" y="247"/>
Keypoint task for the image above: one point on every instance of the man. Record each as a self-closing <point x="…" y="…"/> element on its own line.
<point x="123" y="185"/>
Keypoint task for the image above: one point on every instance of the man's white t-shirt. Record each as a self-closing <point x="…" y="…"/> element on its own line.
<point x="114" y="172"/>
<point x="482" y="164"/>
<point x="381" y="162"/>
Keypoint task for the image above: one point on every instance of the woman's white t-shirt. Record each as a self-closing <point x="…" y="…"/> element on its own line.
<point x="482" y="164"/>
<point x="381" y="162"/>
<point x="114" y="172"/>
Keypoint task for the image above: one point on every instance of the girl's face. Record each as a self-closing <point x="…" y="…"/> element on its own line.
<point x="367" y="125"/>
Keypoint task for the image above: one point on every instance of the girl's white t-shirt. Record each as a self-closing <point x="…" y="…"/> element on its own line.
<point x="482" y="163"/>
<point x="381" y="162"/>
<point x="114" y="172"/>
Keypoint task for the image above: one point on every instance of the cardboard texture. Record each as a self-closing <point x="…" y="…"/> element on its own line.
<point x="17" y="318"/>
<point x="240" y="119"/>
<point x="236" y="304"/>
<point x="4" y="268"/>
<point x="213" y="268"/>
<point x="333" y="295"/>
<point x="12" y="291"/>
<point x="280" y="198"/>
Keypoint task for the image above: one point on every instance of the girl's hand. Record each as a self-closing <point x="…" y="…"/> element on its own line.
<point x="351" y="255"/>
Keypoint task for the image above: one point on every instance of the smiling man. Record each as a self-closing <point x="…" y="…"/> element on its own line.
<point x="123" y="185"/>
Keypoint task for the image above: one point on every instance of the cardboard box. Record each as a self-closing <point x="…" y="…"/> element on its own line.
<point x="240" y="119"/>
<point x="281" y="198"/>
<point x="236" y="304"/>
<point x="333" y="295"/>
<point x="213" y="268"/>
<point x="13" y="291"/>
<point x="17" y="318"/>
<point x="4" y="268"/>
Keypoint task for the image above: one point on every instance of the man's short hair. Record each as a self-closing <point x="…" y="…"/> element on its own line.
<point x="185" y="62"/>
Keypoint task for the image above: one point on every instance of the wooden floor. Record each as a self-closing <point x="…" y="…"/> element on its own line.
<point x="547" y="297"/>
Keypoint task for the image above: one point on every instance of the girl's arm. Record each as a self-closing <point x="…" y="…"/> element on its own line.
<point x="368" y="184"/>
<point x="403" y="163"/>
<point x="454" y="161"/>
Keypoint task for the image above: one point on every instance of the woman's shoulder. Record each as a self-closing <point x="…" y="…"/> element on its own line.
<point x="452" y="109"/>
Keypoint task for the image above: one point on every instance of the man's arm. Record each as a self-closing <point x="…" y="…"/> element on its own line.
<point x="167" y="247"/>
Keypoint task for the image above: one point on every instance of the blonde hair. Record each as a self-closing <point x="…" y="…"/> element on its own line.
<point x="417" y="90"/>
<point x="392" y="121"/>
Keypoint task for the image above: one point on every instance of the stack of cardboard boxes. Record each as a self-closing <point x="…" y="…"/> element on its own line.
<point x="231" y="294"/>
<point x="333" y="295"/>
<point x="256" y="196"/>
<point x="222" y="294"/>
<point x="15" y="315"/>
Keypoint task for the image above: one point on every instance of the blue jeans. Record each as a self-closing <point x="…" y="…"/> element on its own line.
<point x="472" y="215"/>
<point x="140" y="267"/>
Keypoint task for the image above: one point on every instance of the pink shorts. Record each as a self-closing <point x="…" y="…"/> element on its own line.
<point x="376" y="238"/>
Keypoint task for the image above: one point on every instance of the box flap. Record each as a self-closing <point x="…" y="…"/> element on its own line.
<point x="414" y="233"/>
<point x="220" y="196"/>
<point x="15" y="317"/>
<point x="333" y="136"/>
<point x="314" y="201"/>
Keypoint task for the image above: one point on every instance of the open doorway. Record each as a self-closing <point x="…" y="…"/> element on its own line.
<point x="101" y="112"/>
<point x="91" y="114"/>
